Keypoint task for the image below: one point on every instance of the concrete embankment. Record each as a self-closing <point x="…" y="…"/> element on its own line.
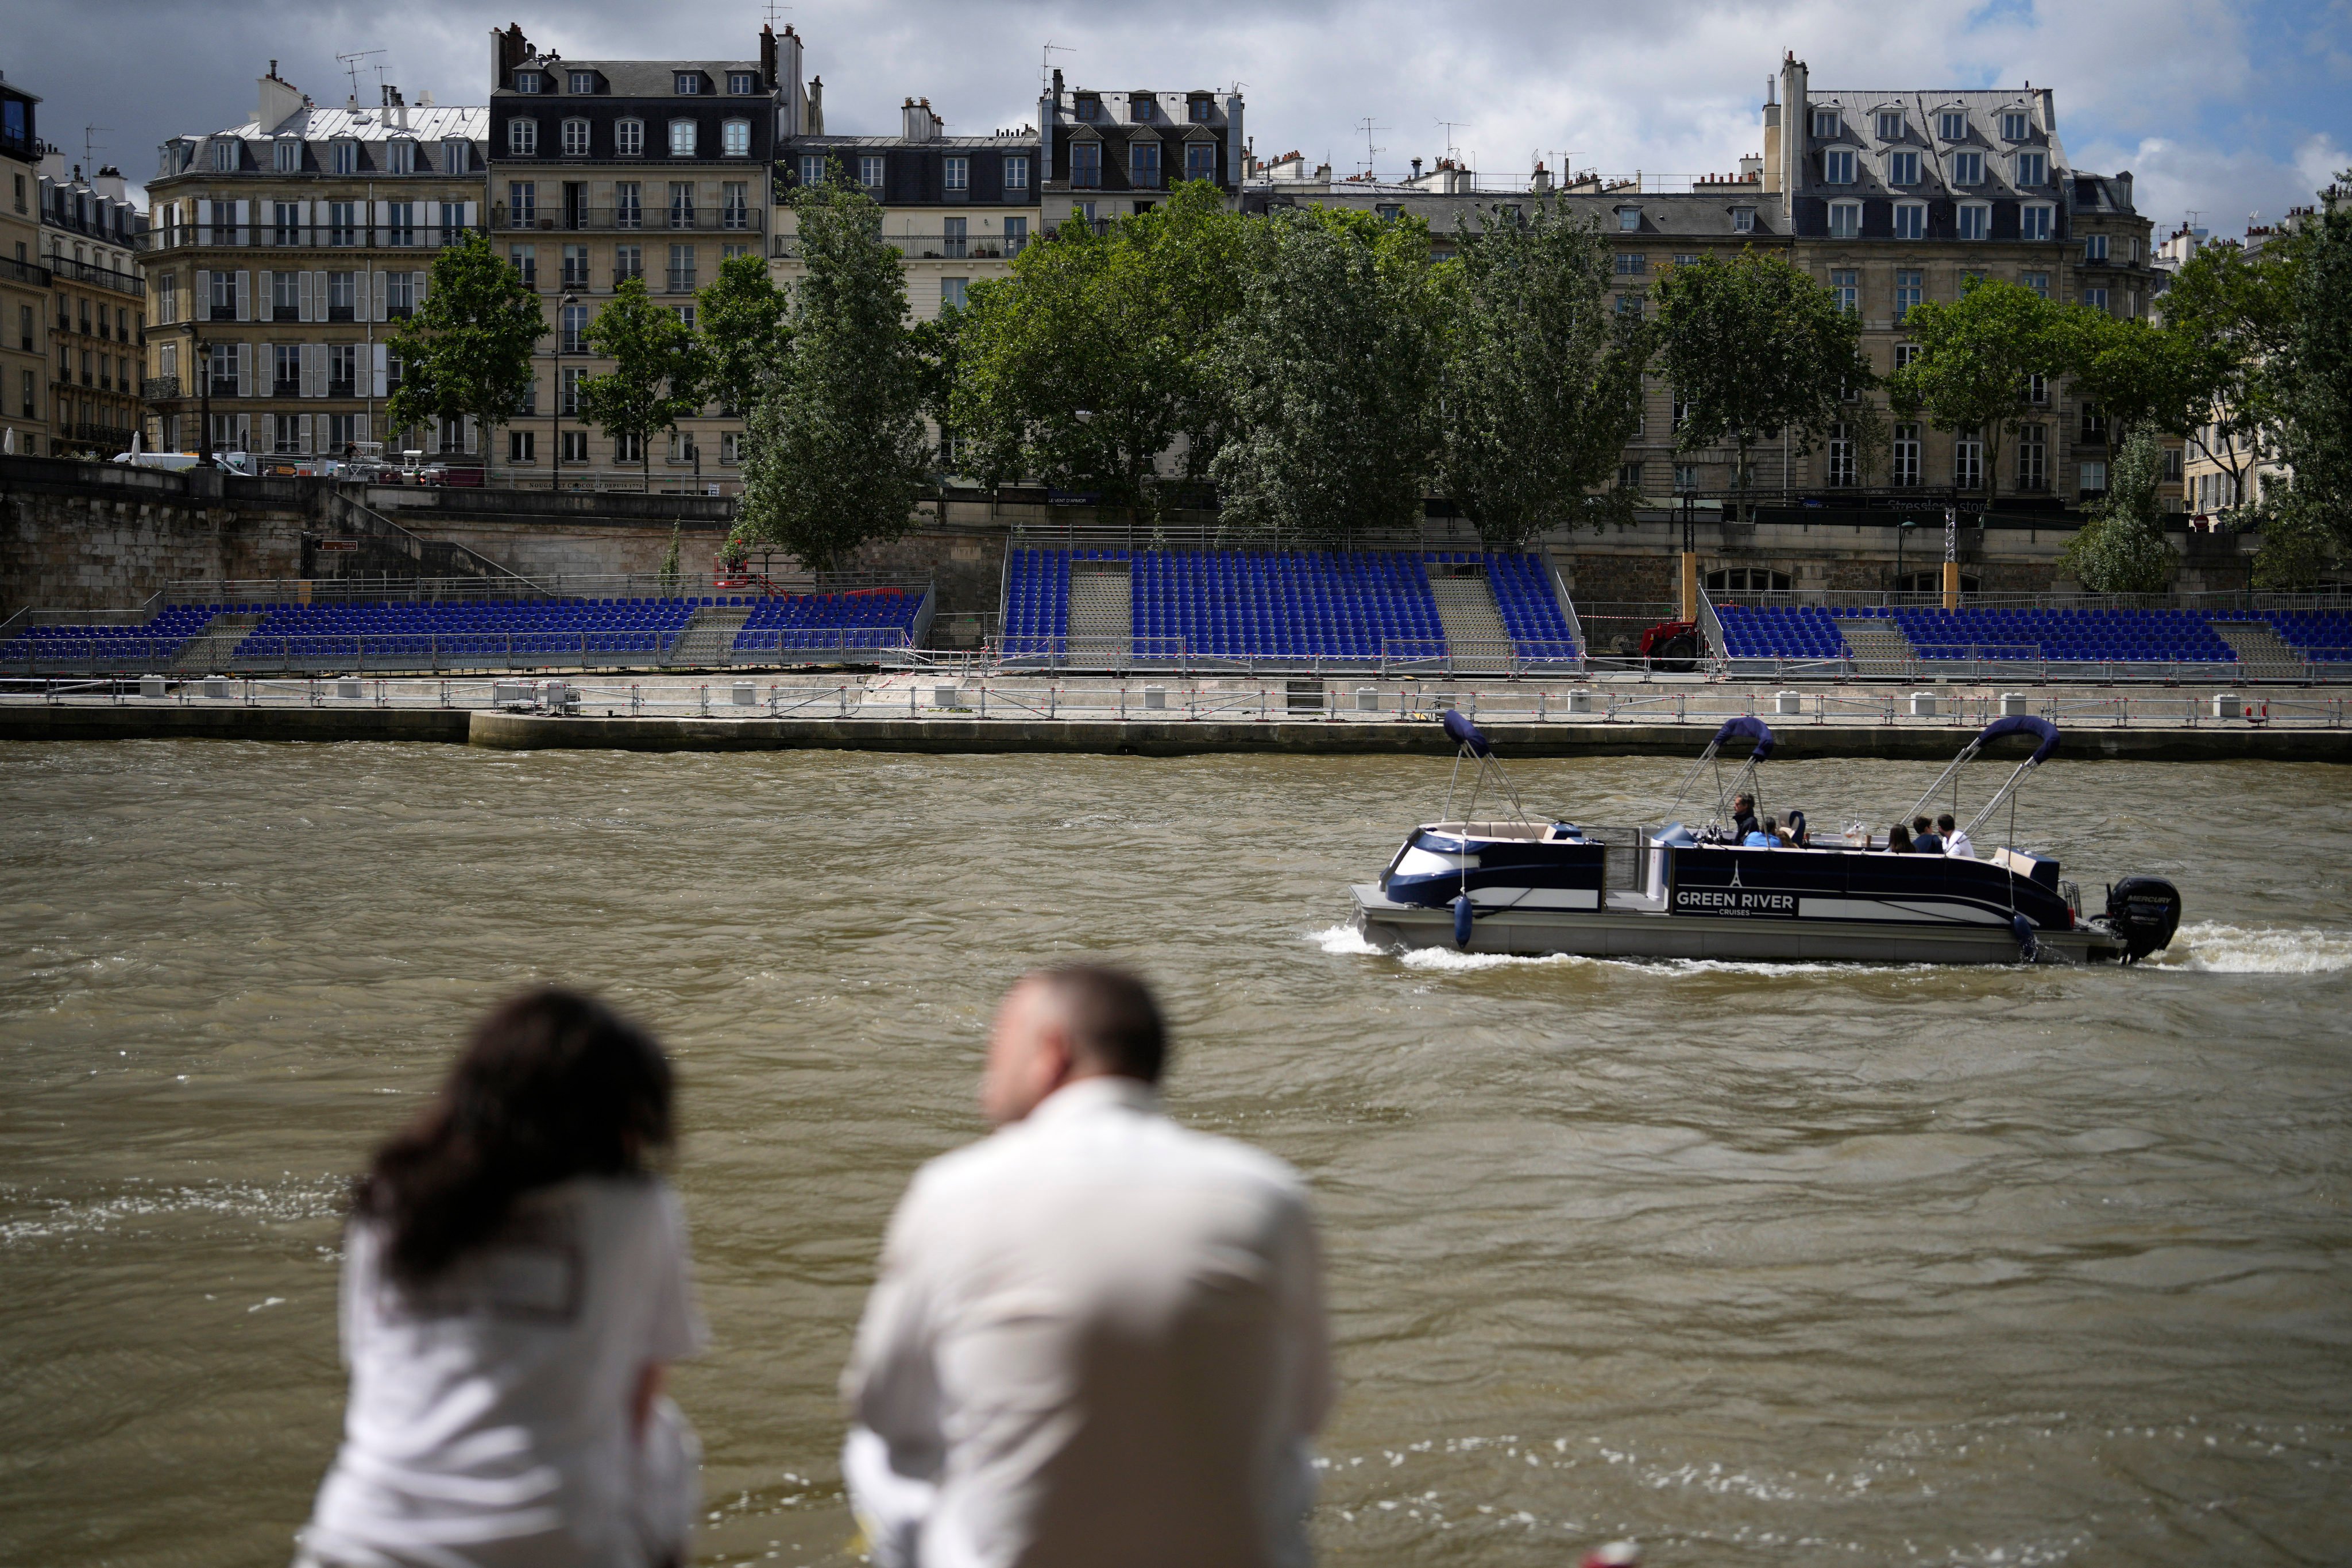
<point x="1154" y="738"/>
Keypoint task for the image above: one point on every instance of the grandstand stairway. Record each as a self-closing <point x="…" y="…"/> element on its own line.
<point x="709" y="639"/>
<point x="2259" y="649"/>
<point x="1102" y="614"/>
<point x="213" y="647"/>
<point x="1474" y="633"/>
<point x="1879" y="647"/>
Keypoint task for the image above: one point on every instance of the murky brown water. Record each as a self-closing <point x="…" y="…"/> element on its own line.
<point x="1757" y="1264"/>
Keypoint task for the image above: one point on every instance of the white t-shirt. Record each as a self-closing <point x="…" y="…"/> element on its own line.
<point x="489" y="1416"/>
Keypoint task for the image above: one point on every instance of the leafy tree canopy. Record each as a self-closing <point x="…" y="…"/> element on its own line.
<point x="1976" y="357"/>
<point x="467" y="350"/>
<point x="2121" y="548"/>
<point x="742" y="332"/>
<point x="651" y="385"/>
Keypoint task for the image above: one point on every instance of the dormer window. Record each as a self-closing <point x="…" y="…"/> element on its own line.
<point x="2014" y="125"/>
<point x="522" y="137"/>
<point x="1952" y="125"/>
<point x="1139" y="108"/>
<point x="287" y="155"/>
<point x="1837" y="166"/>
<point x="629" y="138"/>
<point x="1890" y="125"/>
<point x="223" y="156"/>
<point x="576" y="138"/>
<point x="1202" y="109"/>
<point x="584" y="81"/>
<point x="1629" y="220"/>
<point x="529" y="81"/>
<point x="400" y="157"/>
<point x="456" y="155"/>
<point x="1743" y="220"/>
<point x="682" y="138"/>
<point x="1967" y="168"/>
<point x="2033" y="169"/>
<point x="1825" y="123"/>
<point x="346" y="159"/>
<point x="1090" y="107"/>
<point x="743" y="84"/>
<point x="735" y="139"/>
<point x="688" y="83"/>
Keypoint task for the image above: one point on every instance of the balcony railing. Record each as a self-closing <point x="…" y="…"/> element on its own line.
<point x="313" y="236"/>
<point x="109" y="438"/>
<point x="159" y="388"/>
<point x="100" y="277"/>
<point x="15" y="271"/>
<point x="929" y="246"/>
<point x="649" y="219"/>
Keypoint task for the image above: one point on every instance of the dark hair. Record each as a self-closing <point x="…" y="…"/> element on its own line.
<point x="1944" y="822"/>
<point x="1898" y="837"/>
<point x="1112" y="1018"/>
<point x="550" y="1084"/>
<point x="1921" y="824"/>
<point x="1771" y="825"/>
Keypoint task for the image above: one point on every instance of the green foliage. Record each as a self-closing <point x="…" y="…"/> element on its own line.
<point x="467" y="351"/>
<point x="651" y="385"/>
<point x="2121" y="549"/>
<point x="2313" y="388"/>
<point x="741" y="334"/>
<point x="1752" y="346"/>
<point x="837" y="453"/>
<point x="2140" y="376"/>
<point x="937" y="346"/>
<point x="2230" y="315"/>
<point x="1540" y="382"/>
<point x="1331" y="369"/>
<point x="1976" y="356"/>
<point x="1098" y="353"/>
<point x="669" y="562"/>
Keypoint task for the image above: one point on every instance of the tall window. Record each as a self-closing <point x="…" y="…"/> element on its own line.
<point x="1841" y="463"/>
<point x="1202" y="109"/>
<point x="1952" y="125"/>
<point x="629" y="138"/>
<point x="2033" y="168"/>
<point x="1968" y="462"/>
<point x="682" y="268"/>
<point x="1837" y="166"/>
<point x="1902" y="168"/>
<point x="1017" y="173"/>
<point x="2097" y="299"/>
<point x="224" y="154"/>
<point x="525" y="261"/>
<point x="1825" y="122"/>
<point x="400" y="157"/>
<point x="223" y="227"/>
<point x="453" y="222"/>
<point x="343" y="370"/>
<point x="2033" y="221"/>
<point x="288" y="380"/>
<point x="342" y="223"/>
<point x="1143" y="164"/>
<point x="952" y="242"/>
<point x="628" y="261"/>
<point x="456" y="156"/>
<point x="957" y="174"/>
<point x="954" y="293"/>
<point x="576" y="138"/>
<point x="811" y="169"/>
<point x="1845" y="288"/>
<point x="1890" y="125"/>
<point x="871" y="172"/>
<point x="681" y="203"/>
<point x="2013" y="126"/>
<point x="1905" y="454"/>
<point x="2037" y="281"/>
<point x="683" y="134"/>
<point x="1743" y="220"/>
<point x="575" y="267"/>
<point x="575" y="334"/>
<point x="522" y="137"/>
<point x="628" y="209"/>
<point x="2032" y="458"/>
<point x="289" y="155"/>
<point x="735" y="139"/>
<point x="1016" y="236"/>
<point x="1845" y="220"/>
<point x="734" y="205"/>
<point x="1967" y="168"/>
<point x="1910" y="220"/>
<point x="400" y="222"/>
<point x="1975" y="221"/>
<point x="2094" y="247"/>
<point x="1085" y="164"/>
<point x="343" y="296"/>
<point x="1200" y="160"/>
<point x="1907" y="293"/>
<point x="286" y="225"/>
<point x="522" y="204"/>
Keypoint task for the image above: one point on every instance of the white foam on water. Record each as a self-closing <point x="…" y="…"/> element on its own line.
<point x="1345" y="939"/>
<point x="2215" y="949"/>
<point x="1448" y="960"/>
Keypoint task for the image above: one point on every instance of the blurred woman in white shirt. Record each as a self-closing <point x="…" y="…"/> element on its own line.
<point x="515" y="1283"/>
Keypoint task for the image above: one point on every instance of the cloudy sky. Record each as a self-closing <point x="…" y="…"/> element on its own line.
<point x="2224" y="108"/>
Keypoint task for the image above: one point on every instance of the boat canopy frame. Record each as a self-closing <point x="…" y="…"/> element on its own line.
<point x="1746" y="726"/>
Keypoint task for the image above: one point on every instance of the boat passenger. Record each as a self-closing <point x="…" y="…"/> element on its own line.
<point x="1924" y="838"/>
<point x="1956" y="842"/>
<point x="1743" y="816"/>
<point x="1899" y="841"/>
<point x="1766" y="837"/>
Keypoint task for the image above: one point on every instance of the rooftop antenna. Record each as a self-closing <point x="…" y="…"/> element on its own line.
<point x="1448" y="126"/>
<point x="772" y="10"/>
<point x="350" y="63"/>
<point x="1367" y="127"/>
<point x="90" y="147"/>
<point x="1045" y="64"/>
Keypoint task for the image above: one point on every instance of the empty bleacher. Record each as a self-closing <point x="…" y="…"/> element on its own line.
<point x="1781" y="632"/>
<point x="2067" y="640"/>
<point x="156" y="640"/>
<point x="862" y="619"/>
<point x="459" y="630"/>
<point x="2321" y="635"/>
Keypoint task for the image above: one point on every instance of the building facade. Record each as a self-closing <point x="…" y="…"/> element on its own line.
<point x="91" y="236"/>
<point x="1106" y="154"/>
<point x="280" y="252"/>
<point x="602" y="171"/>
<point x="958" y="208"/>
<point x="23" y="280"/>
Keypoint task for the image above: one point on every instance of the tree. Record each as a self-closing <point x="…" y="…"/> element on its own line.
<point x="1541" y="383"/>
<point x="1331" y="372"/>
<point x="2138" y="375"/>
<point x="466" y="352"/>
<point x="836" y="450"/>
<point x="743" y="333"/>
<point x="937" y="346"/>
<point x="1098" y="354"/>
<point x="1752" y="346"/>
<point x="2121" y="547"/>
<point x="651" y="385"/>
<point x="2308" y="530"/>
<point x="2229" y="315"/>
<point x="1977" y="359"/>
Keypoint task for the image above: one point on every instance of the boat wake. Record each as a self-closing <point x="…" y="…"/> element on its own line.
<point x="2216" y="949"/>
<point x="1346" y="941"/>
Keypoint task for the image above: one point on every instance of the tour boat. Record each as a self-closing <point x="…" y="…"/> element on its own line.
<point x="1512" y="883"/>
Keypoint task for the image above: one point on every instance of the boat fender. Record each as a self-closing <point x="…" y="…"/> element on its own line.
<point x="1798" y="834"/>
<point x="2026" y="946"/>
<point x="1462" y="912"/>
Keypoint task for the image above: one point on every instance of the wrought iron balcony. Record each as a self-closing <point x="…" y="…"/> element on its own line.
<point x="650" y="219"/>
<point x="159" y="388"/>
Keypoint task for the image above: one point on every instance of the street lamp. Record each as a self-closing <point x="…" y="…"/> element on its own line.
<point x="694" y="450"/>
<point x="201" y="352"/>
<point x="1899" y="529"/>
<point x="555" y="475"/>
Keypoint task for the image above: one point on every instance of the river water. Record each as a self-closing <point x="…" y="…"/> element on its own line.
<point x="1758" y="1265"/>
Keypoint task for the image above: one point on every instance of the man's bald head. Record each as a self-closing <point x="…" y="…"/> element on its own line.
<point x="1071" y="1022"/>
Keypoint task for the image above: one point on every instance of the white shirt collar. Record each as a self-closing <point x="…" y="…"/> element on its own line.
<point x="1088" y="1095"/>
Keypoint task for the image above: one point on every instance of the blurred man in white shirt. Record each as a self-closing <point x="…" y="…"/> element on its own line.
<point x="1954" y="841"/>
<point x="1098" y="1337"/>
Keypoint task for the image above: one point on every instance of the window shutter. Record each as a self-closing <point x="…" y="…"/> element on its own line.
<point x="318" y="297"/>
<point x="199" y="308"/>
<point x="243" y="295"/>
<point x="379" y="297"/>
<point x="307" y="447"/>
<point x="416" y="287"/>
<point x="244" y="370"/>
<point x="307" y="307"/>
<point x="265" y="295"/>
<point x="314" y="370"/>
<point x="473" y="434"/>
<point x="382" y="371"/>
<point x="473" y="215"/>
<point x="243" y="428"/>
<point x="359" y="421"/>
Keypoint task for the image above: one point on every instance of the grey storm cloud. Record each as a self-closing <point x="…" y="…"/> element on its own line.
<point x="2169" y="87"/>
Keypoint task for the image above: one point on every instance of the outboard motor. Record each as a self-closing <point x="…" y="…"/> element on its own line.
<point x="2145" y="911"/>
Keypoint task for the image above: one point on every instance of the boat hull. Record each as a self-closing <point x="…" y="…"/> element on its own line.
<point x="1632" y="927"/>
